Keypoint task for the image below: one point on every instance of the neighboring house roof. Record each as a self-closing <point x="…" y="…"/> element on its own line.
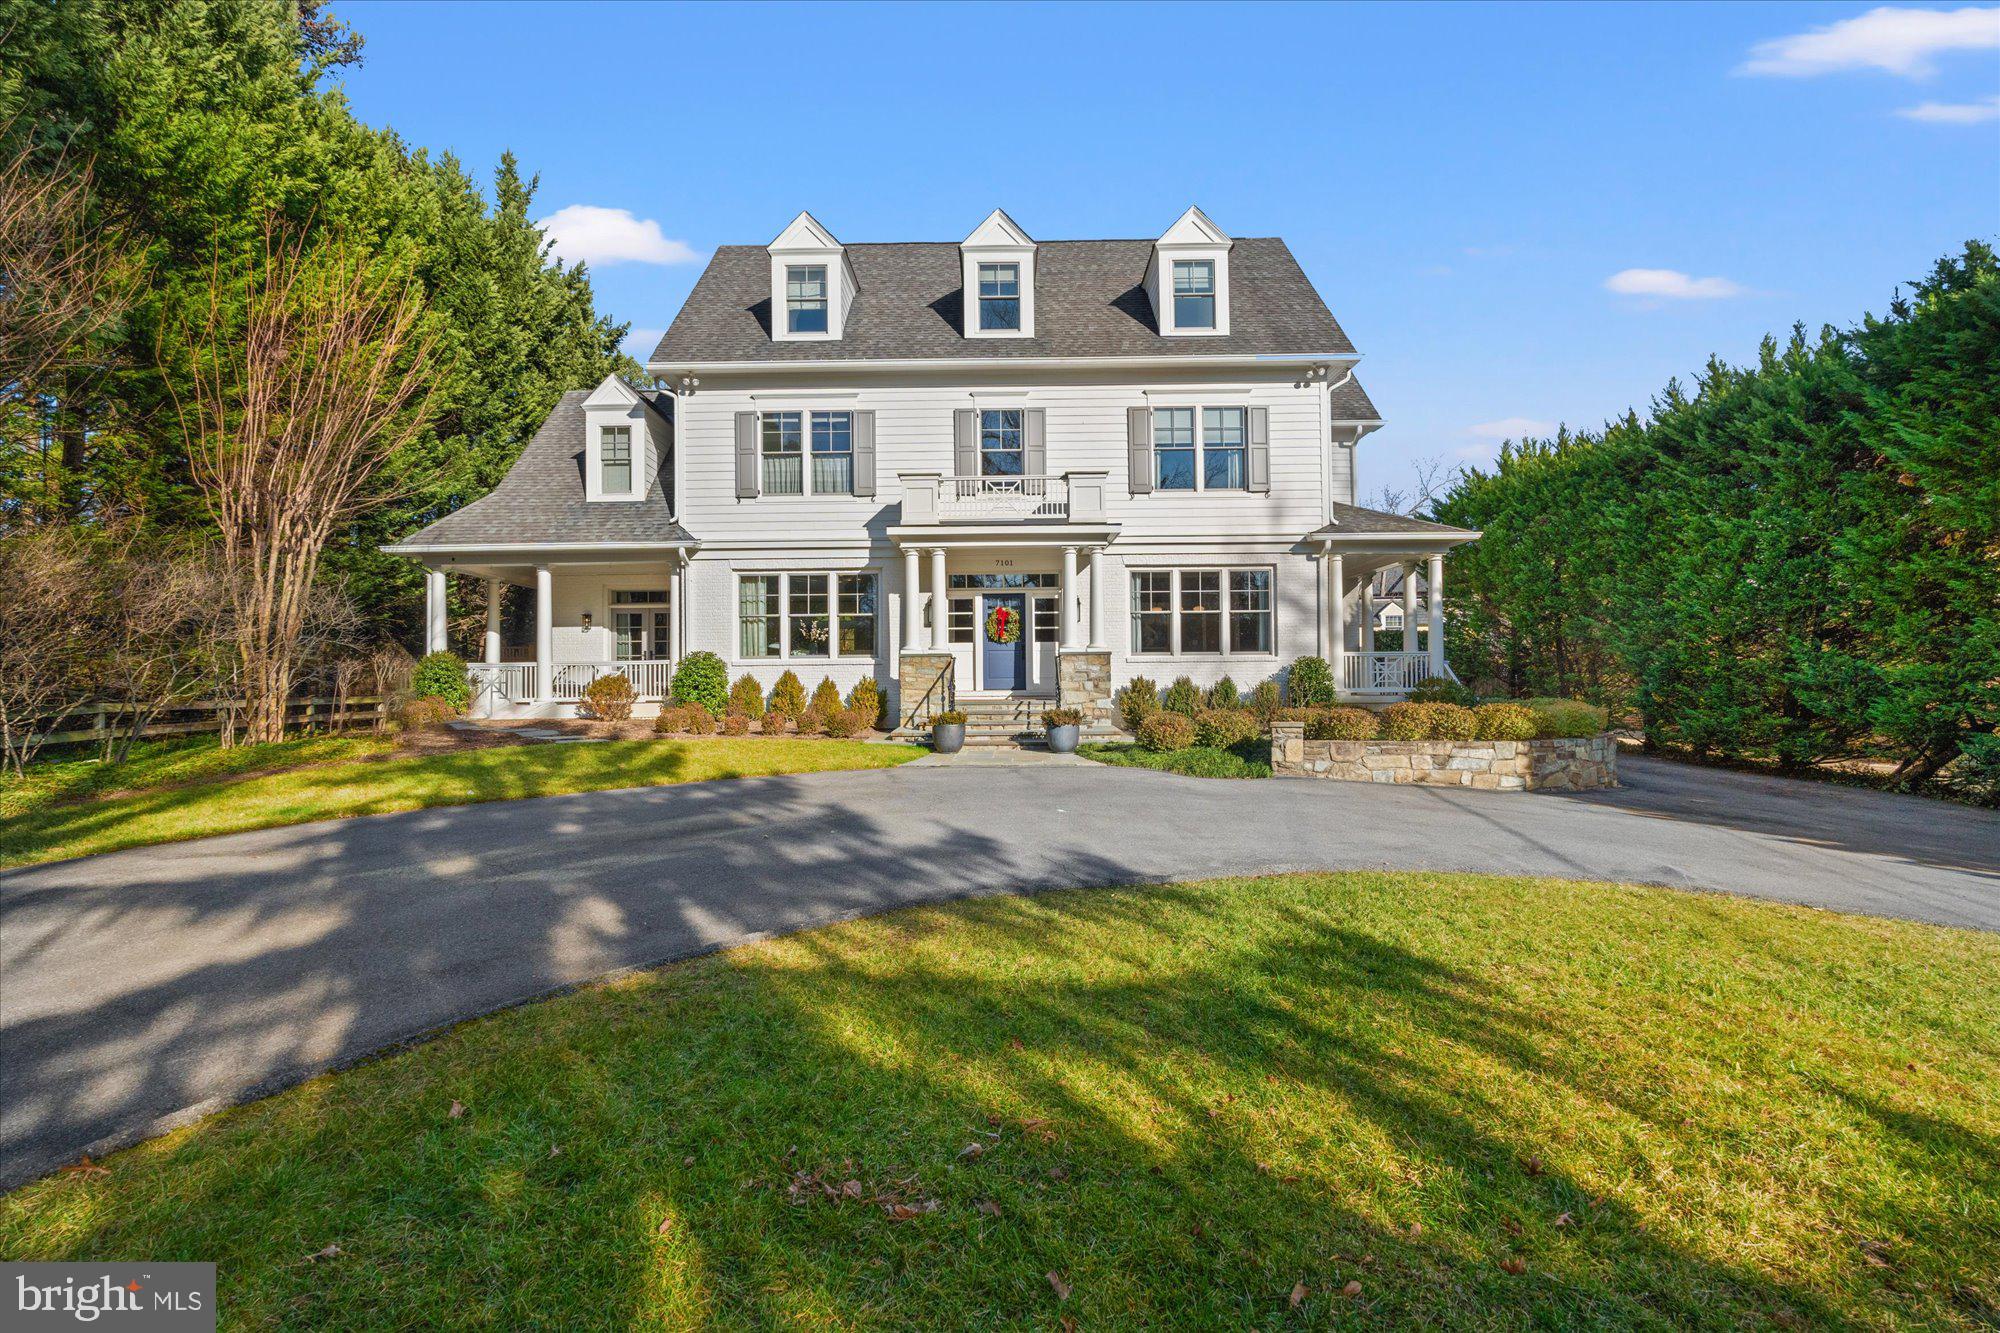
<point x="1090" y="300"/>
<point x="1351" y="403"/>
<point x="1353" y="520"/>
<point x="540" y="501"/>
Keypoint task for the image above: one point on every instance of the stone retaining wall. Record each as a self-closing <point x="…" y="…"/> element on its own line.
<point x="1083" y="682"/>
<point x="1551" y="765"/>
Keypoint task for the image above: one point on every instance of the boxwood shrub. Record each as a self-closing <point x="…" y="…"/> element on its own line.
<point x="1165" y="732"/>
<point x="1224" y="727"/>
<point x="1182" y="697"/>
<point x="1505" y="722"/>
<point x="1139" y="700"/>
<point x="1566" y="717"/>
<point x="746" y="696"/>
<point x="703" y="680"/>
<point x="1342" y="724"/>
<point x="441" y="676"/>
<point x="1310" y="683"/>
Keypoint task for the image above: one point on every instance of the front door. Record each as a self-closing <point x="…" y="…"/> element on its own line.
<point x="1004" y="666"/>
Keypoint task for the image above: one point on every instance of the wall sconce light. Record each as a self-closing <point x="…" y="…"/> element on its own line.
<point x="586" y="620"/>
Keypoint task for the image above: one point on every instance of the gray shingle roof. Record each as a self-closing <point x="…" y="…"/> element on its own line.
<point x="1351" y="403"/>
<point x="541" y="498"/>
<point x="1353" y="520"/>
<point x="1090" y="300"/>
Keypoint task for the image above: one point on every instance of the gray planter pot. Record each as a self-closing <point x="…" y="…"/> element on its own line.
<point x="948" y="737"/>
<point x="1063" y="739"/>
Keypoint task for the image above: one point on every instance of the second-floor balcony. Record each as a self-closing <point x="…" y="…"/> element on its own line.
<point x="1074" y="497"/>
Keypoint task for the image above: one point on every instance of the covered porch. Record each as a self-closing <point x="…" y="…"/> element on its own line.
<point x="1353" y="548"/>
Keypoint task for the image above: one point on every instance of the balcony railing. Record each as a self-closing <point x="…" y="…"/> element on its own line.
<point x="929" y="497"/>
<point x="1383" y="673"/>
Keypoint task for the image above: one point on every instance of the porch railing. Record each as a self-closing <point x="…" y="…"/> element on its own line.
<point x="501" y="682"/>
<point x="650" y="680"/>
<point x="1384" y="673"/>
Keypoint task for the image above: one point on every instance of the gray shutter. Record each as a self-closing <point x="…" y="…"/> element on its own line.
<point x="1139" y="449"/>
<point x="965" y="443"/>
<point x="746" y="455"/>
<point x="1260" y="449"/>
<point x="864" y="453"/>
<point x="1034" y="443"/>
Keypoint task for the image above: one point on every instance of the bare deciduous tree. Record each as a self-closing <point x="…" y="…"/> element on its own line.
<point x="168" y="633"/>
<point x="50" y="634"/>
<point x="60" y="280"/>
<point x="1430" y="479"/>
<point x="301" y="397"/>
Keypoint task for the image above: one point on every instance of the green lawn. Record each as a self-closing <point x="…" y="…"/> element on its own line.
<point x="1249" y="760"/>
<point x="168" y="793"/>
<point x="1486" y="1102"/>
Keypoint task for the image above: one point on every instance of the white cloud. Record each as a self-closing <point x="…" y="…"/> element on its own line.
<point x="603" y="236"/>
<point x="1670" y="284"/>
<point x="1897" y="41"/>
<point x="1511" y="428"/>
<point x="639" y="343"/>
<point x="1954" y="113"/>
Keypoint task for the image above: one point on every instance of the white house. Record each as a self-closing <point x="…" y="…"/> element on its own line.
<point x="878" y="459"/>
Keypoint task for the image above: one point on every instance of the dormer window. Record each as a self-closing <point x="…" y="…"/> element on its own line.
<point x="805" y="298"/>
<point x="614" y="460"/>
<point x="1194" y="293"/>
<point x="1000" y="296"/>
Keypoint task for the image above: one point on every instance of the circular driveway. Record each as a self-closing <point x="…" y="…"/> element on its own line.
<point x="142" y="988"/>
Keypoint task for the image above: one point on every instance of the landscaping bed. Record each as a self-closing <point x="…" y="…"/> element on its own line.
<point x="1447" y="1100"/>
<point x="1250" y="760"/>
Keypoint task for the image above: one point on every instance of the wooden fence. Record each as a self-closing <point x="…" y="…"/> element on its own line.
<point x="209" y="715"/>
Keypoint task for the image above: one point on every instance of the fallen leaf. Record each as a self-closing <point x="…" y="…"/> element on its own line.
<point x="1067" y="1324"/>
<point x="851" y="1189"/>
<point x="457" y="1110"/>
<point x="85" y="1169"/>
<point x="666" y="1225"/>
<point x="972" y="1150"/>
<point x="1564" y="1219"/>
<point x="1353" y="1288"/>
<point x="1058" y="1173"/>
<point x="554" y="1151"/>
<point x="1416" y="1228"/>
<point x="1299" y="1295"/>
<point x="1062" y="1287"/>
<point x="1014" y="1044"/>
<point x="903" y="1212"/>
<point x="1264" y="1168"/>
<point x="326" y="1253"/>
<point x="1533" y="1166"/>
<point x="990" y="1208"/>
<point x="1514" y="1265"/>
<point x="687" y="1161"/>
<point x="1030" y="1126"/>
<point x="1291" y="1180"/>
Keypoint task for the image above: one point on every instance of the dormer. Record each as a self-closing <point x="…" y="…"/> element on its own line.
<point x="623" y="439"/>
<point x="812" y="286"/>
<point x="1188" y="280"/>
<point x="997" y="266"/>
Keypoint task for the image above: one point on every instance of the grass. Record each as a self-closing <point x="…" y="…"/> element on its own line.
<point x="1487" y="1102"/>
<point x="1252" y="759"/>
<point x="170" y="793"/>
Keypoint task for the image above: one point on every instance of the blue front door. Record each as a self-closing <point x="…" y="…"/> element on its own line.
<point x="1005" y="666"/>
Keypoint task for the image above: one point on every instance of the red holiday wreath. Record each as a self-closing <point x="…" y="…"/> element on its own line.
<point x="1003" y="625"/>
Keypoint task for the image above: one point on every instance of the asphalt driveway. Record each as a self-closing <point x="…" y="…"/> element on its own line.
<point x="143" y="988"/>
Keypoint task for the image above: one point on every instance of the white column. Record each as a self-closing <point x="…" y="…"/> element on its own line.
<point x="545" y="633"/>
<point x="1409" y="606"/>
<point x="1437" y="615"/>
<point x="434" y="633"/>
<point x="1068" y="618"/>
<point x="1368" y="615"/>
<point x="1097" y="641"/>
<point x="492" y="620"/>
<point x="1336" y="657"/>
<point x="913" y="600"/>
<point x="940" y="604"/>
<point x="676" y="595"/>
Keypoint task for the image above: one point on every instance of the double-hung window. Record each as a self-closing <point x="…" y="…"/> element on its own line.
<point x="1194" y="293"/>
<point x="1000" y="444"/>
<point x="639" y="623"/>
<point x="1205" y="612"/>
<point x="784" y="460"/>
<point x="833" y="453"/>
<point x="807" y="615"/>
<point x="805" y="298"/>
<point x="1173" y="448"/>
<point x="614" y="460"/>
<point x="1225" y="445"/>
<point x="1000" y="296"/>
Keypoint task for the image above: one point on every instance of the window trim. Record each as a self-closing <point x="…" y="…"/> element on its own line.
<point x="799" y="304"/>
<point x="1174" y="573"/>
<point x="979" y="272"/>
<point x="1200" y="447"/>
<point x="604" y="434"/>
<point x="805" y="412"/>
<point x="657" y="601"/>
<point x="784" y="577"/>
<point x="1213" y="293"/>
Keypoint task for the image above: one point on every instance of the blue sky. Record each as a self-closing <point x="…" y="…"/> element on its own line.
<point x="1521" y="214"/>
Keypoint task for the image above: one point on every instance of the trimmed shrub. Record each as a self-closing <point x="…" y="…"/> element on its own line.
<point x="1139" y="700"/>
<point x="746" y="696"/>
<point x="1224" y="694"/>
<point x="1406" y="722"/>
<point x="1063" y="717"/>
<point x="1505" y="722"/>
<point x="670" y="720"/>
<point x="1182" y="697"/>
<point x="1164" y="732"/>
<point x="609" y="697"/>
<point x="703" y="680"/>
<point x="1265" y="701"/>
<point x="826" y="698"/>
<point x="1310" y="684"/>
<point x="812" y="723"/>
<point x="866" y="698"/>
<point x="788" y="698"/>
<point x="844" y="722"/>
<point x="1566" y="717"/>
<point x="736" y="722"/>
<point x="442" y="676"/>
<point x="1342" y="724"/>
<point x="950" y="717"/>
<point x="425" y="714"/>
<point x="1452" y="722"/>
<point x="1442" y="690"/>
<point x="700" y="722"/>
<point x="1224" y="727"/>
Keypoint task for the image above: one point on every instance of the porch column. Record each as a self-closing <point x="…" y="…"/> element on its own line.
<point x="492" y="620"/>
<point x="676" y="590"/>
<point x="940" y="604"/>
<point x="1068" y="618"/>
<point x="1336" y="592"/>
<point x="1409" y="606"/>
<point x="913" y="600"/>
<point x="1097" y="642"/>
<point x="1437" y="614"/>
<point x="545" y="633"/>
<point x="434" y="635"/>
<point x="1368" y="615"/>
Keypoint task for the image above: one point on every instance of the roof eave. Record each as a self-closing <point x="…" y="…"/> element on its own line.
<point x="667" y="369"/>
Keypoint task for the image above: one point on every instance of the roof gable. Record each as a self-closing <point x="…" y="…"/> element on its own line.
<point x="1195" y="228"/>
<point x="803" y="233"/>
<point x="997" y="230"/>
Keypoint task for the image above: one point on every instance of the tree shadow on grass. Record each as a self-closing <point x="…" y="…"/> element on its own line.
<point x="1229" y="1111"/>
